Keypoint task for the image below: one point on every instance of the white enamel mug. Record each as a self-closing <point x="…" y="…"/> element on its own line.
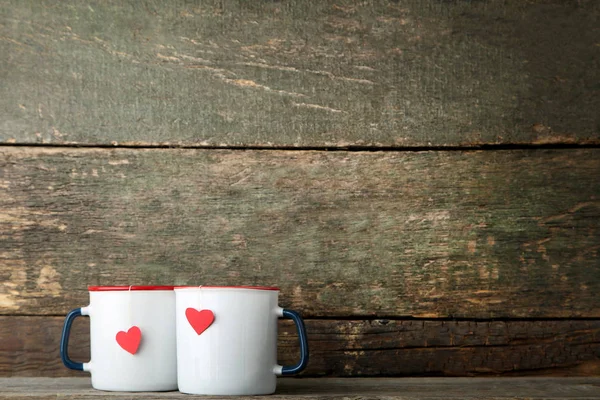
<point x="132" y="338"/>
<point x="227" y="340"/>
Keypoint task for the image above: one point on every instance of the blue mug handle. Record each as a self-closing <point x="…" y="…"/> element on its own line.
<point x="294" y="369"/>
<point x="64" y="341"/>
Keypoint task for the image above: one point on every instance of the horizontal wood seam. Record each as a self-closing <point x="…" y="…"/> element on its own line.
<point x="399" y="149"/>
<point x="451" y="347"/>
<point x="382" y="318"/>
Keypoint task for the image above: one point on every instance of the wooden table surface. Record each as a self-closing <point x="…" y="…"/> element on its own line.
<point x="338" y="388"/>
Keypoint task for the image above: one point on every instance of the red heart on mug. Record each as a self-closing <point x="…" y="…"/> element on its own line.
<point x="130" y="340"/>
<point x="199" y="320"/>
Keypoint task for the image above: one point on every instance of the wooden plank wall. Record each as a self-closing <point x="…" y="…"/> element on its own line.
<point x="420" y="177"/>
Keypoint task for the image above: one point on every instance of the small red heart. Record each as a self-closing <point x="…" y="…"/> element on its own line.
<point x="199" y="320"/>
<point x="130" y="340"/>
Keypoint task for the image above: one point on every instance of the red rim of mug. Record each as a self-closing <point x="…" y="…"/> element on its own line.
<point x="229" y="287"/>
<point x="127" y="288"/>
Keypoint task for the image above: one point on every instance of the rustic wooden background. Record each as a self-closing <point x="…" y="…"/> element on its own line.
<point x="420" y="177"/>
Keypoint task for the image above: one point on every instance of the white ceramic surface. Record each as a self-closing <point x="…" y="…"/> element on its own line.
<point x="153" y="367"/>
<point x="237" y="353"/>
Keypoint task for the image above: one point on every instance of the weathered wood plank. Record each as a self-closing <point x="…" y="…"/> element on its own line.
<point x="429" y="234"/>
<point x="300" y="73"/>
<point x="336" y="388"/>
<point x="362" y="348"/>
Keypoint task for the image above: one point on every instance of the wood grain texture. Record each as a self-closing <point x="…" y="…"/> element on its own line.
<point x="300" y="72"/>
<point x="361" y="348"/>
<point x="429" y="234"/>
<point x="337" y="388"/>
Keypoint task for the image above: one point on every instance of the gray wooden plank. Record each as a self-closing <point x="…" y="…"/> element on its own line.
<point x="336" y="388"/>
<point x="360" y="348"/>
<point x="378" y="234"/>
<point x="300" y="73"/>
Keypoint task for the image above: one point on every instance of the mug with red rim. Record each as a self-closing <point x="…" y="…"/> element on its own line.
<point x="132" y="338"/>
<point x="227" y="340"/>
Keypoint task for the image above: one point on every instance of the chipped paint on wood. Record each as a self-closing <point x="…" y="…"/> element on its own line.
<point x="300" y="73"/>
<point x="428" y="234"/>
<point x="363" y="348"/>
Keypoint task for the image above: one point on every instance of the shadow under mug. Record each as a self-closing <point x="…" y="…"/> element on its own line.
<point x="227" y="340"/>
<point x="132" y="338"/>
